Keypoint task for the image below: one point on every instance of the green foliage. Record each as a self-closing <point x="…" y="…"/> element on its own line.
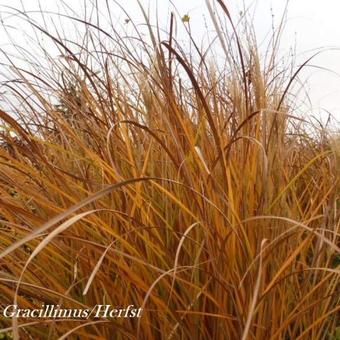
<point x="336" y="335"/>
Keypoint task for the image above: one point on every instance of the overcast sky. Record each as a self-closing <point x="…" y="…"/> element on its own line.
<point x="310" y="25"/>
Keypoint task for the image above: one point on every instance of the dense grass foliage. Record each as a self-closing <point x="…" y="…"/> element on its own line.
<point x="134" y="172"/>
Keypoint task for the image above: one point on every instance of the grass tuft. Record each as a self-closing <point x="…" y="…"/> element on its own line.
<point x="135" y="172"/>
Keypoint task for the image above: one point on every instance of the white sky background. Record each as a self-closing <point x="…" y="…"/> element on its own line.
<point x="310" y="25"/>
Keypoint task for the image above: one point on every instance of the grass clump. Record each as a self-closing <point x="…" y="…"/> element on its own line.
<point x="133" y="172"/>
